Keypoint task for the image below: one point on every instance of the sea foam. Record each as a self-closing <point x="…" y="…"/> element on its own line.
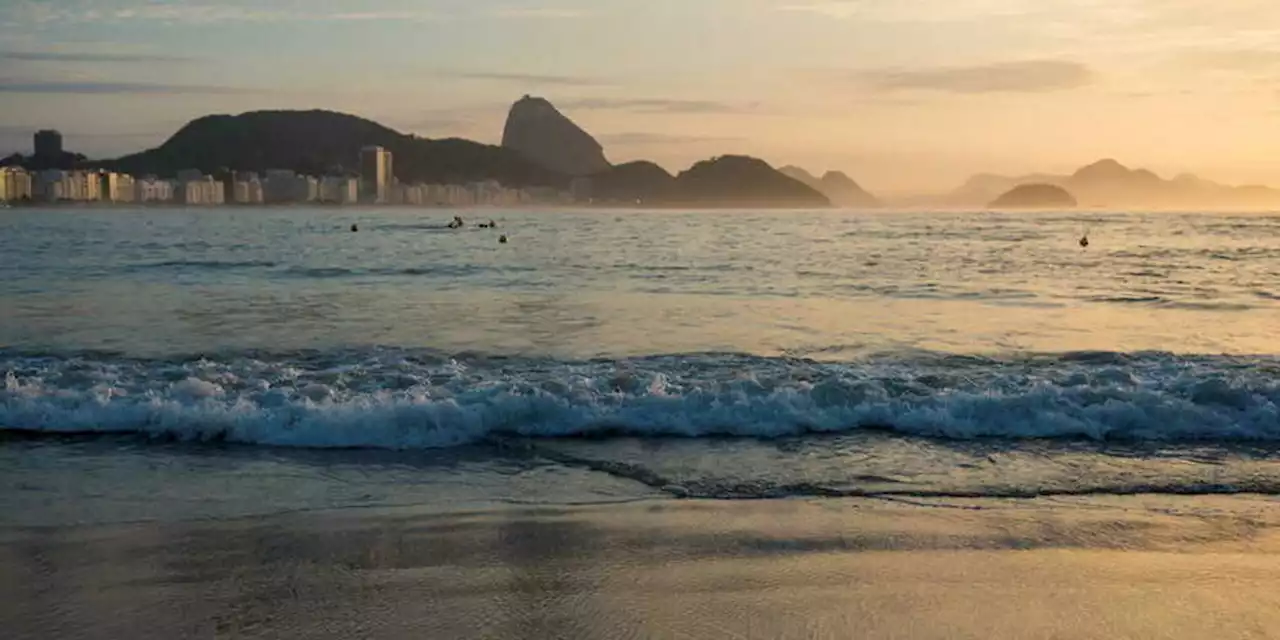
<point x="400" y="399"/>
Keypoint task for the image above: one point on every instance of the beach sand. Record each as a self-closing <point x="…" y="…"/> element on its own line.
<point x="1102" y="567"/>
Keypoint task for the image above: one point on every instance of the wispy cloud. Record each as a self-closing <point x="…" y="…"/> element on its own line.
<point x="914" y="10"/>
<point x="53" y="56"/>
<point x="107" y="88"/>
<point x="1244" y="60"/>
<point x="1034" y="76"/>
<point x="524" y="78"/>
<point x="409" y="16"/>
<point x="552" y="13"/>
<point x="178" y="12"/>
<point x="654" y="105"/>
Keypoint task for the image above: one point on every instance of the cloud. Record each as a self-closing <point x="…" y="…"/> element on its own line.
<point x="553" y="13"/>
<point x="914" y="10"/>
<point x="524" y="78"/>
<point x="409" y="16"/>
<point x="178" y="12"/>
<point x="52" y="56"/>
<point x="108" y="88"/>
<point x="1009" y="77"/>
<point x="645" y="138"/>
<point x="1230" y="59"/>
<point x="652" y="105"/>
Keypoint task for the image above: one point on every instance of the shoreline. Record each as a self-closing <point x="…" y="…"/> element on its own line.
<point x="1117" y="567"/>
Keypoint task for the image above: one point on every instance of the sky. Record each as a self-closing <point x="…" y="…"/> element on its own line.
<point x="903" y="95"/>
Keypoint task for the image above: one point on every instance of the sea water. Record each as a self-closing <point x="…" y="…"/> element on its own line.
<point x="187" y="363"/>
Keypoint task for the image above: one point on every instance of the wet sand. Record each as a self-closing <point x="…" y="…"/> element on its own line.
<point x="1136" y="567"/>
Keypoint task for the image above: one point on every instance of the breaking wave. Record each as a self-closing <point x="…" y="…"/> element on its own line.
<point x="408" y="399"/>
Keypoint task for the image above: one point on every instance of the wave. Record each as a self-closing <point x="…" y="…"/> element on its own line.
<point x="205" y="264"/>
<point x="441" y="270"/>
<point x="399" y="399"/>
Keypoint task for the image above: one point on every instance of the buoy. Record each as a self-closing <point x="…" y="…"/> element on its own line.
<point x="502" y="239"/>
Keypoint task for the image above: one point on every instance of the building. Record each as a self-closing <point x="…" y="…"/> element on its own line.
<point x="149" y="189"/>
<point x="376" y="174"/>
<point x="115" y="187"/>
<point x="204" y="191"/>
<point x="448" y="195"/>
<point x="339" y="190"/>
<point x="15" y="184"/>
<point x="248" y="190"/>
<point x="48" y="144"/>
<point x="282" y="185"/>
<point x="55" y="185"/>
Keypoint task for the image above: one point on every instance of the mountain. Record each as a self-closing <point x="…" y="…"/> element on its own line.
<point x="641" y="181"/>
<point x="842" y="190"/>
<point x="1035" y="196"/>
<point x="1108" y="183"/>
<point x="742" y="181"/>
<point x="985" y="187"/>
<point x="798" y="173"/>
<point x="536" y="129"/>
<point x="317" y="142"/>
<point x="835" y="185"/>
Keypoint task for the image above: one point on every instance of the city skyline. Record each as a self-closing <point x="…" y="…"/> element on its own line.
<point x="902" y="96"/>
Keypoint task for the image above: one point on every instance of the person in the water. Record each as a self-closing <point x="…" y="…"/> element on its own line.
<point x="354" y="228"/>
<point x="1084" y="241"/>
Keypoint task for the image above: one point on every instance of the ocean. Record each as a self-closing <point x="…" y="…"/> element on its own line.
<point x="178" y="364"/>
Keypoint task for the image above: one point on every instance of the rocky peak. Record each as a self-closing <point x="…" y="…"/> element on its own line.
<point x="536" y="129"/>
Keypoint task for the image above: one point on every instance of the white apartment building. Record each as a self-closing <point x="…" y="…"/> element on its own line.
<point x="15" y="184"/>
<point x="286" y="186"/>
<point x="339" y="190"/>
<point x="149" y="189"/>
<point x="205" y="191"/>
<point x="55" y="185"/>
<point x="248" y="192"/>
<point x="115" y="187"/>
<point x="376" y="175"/>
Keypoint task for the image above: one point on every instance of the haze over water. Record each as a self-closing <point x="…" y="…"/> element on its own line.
<point x="841" y="338"/>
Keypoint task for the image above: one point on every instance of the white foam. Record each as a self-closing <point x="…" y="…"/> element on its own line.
<point x="391" y="400"/>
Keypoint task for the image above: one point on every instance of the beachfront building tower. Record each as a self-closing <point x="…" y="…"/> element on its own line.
<point x="376" y="175"/>
<point x="48" y="144"/>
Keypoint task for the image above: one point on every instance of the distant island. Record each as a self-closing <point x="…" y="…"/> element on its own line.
<point x="1108" y="183"/>
<point x="1035" y="196"/>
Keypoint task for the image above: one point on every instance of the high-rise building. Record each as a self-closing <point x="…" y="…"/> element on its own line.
<point x="376" y="175"/>
<point x="48" y="144"/>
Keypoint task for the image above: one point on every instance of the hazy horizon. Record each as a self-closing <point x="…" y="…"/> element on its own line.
<point x="903" y="97"/>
